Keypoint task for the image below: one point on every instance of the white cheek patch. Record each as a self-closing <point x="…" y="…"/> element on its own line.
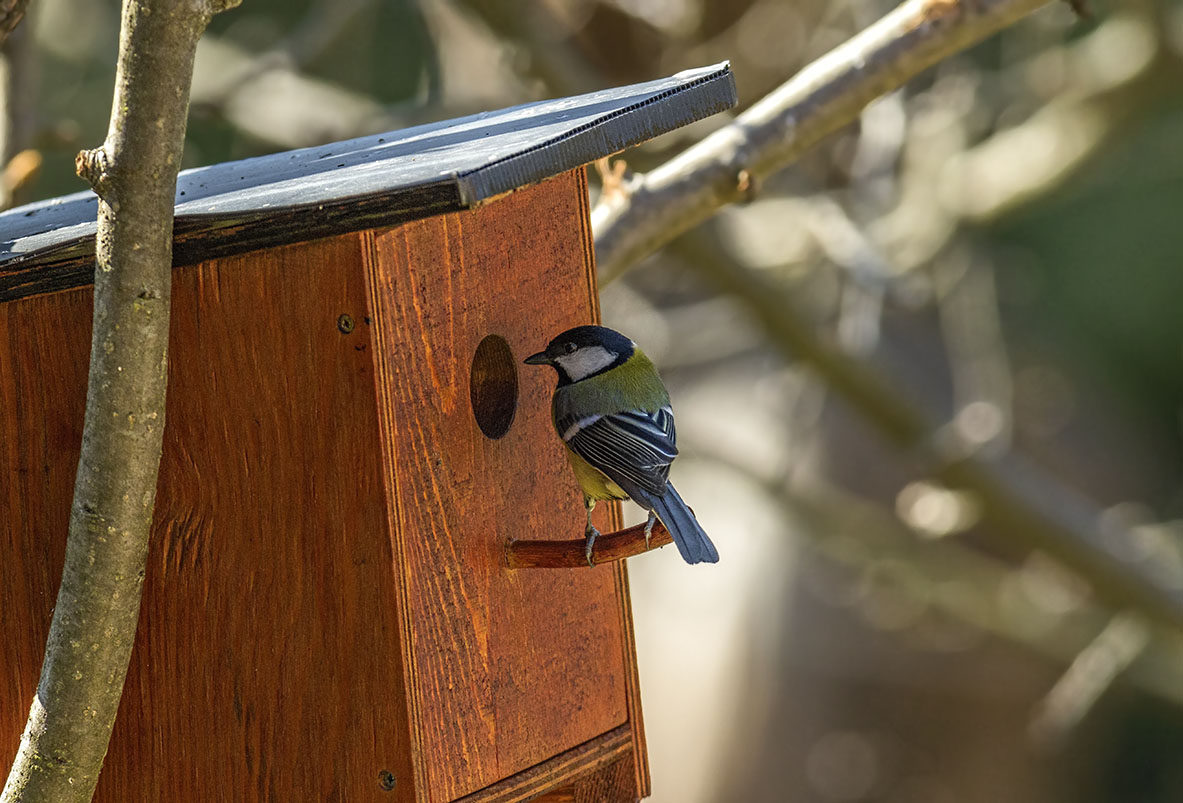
<point x="586" y="361"/>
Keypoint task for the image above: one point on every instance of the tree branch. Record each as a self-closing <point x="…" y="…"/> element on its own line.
<point x="1014" y="503"/>
<point x="11" y="14"/>
<point x="862" y="537"/>
<point x="823" y="97"/>
<point x="1092" y="672"/>
<point x="1014" y="165"/>
<point x="94" y="623"/>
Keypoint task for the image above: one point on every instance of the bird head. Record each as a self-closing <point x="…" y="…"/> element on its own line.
<point x="583" y="352"/>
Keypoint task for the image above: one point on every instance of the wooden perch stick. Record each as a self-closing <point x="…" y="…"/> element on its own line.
<point x="569" y="554"/>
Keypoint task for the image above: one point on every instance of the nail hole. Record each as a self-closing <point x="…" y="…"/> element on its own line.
<point x="493" y="386"/>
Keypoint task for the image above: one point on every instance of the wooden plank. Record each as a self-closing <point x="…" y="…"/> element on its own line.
<point x="366" y="182"/>
<point x="639" y="766"/>
<point x="624" y="606"/>
<point x="583" y="765"/>
<point x="44" y="355"/>
<point x="267" y="661"/>
<point x="610" y="784"/>
<point x="505" y="668"/>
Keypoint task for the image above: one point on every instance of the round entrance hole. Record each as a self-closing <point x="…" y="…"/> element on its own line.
<point x="493" y="386"/>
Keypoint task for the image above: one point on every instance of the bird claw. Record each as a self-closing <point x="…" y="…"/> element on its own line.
<point x="590" y="534"/>
<point x="649" y="528"/>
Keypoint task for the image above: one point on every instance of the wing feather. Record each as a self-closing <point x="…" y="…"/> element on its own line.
<point x="633" y="448"/>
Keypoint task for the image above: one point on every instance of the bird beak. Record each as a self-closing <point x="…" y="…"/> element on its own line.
<point x="537" y="359"/>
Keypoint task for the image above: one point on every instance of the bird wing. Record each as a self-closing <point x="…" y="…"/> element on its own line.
<point x="634" y="448"/>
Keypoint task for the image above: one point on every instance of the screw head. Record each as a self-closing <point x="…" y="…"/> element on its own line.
<point x="386" y="780"/>
<point x="345" y="324"/>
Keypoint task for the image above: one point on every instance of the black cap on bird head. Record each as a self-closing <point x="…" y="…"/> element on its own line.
<point x="583" y="352"/>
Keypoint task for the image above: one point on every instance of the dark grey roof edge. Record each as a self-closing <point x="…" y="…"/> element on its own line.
<point x="366" y="182"/>
<point x="679" y="106"/>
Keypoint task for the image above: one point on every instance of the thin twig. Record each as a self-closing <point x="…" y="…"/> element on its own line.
<point x="1092" y="672"/>
<point x="609" y="547"/>
<point x="11" y="14"/>
<point x="94" y="621"/>
<point x="976" y="350"/>
<point x="825" y="96"/>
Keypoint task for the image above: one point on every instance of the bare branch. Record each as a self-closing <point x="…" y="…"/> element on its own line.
<point x="1016" y="505"/>
<point x="958" y="579"/>
<point x="1092" y="672"/>
<point x="94" y="623"/>
<point x="1119" y="72"/>
<point x="825" y="96"/>
<point x="976" y="350"/>
<point x="11" y="14"/>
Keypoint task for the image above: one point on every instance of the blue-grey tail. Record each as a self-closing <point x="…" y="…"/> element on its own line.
<point x="692" y="541"/>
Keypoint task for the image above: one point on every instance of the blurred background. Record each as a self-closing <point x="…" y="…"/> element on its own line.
<point x="984" y="268"/>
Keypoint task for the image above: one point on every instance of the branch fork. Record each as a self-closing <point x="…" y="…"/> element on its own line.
<point x="93" y="166"/>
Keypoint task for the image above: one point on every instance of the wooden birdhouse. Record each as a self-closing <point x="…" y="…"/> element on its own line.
<point x="329" y="613"/>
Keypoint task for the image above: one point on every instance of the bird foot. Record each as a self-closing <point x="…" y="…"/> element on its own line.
<point x="591" y="534"/>
<point x="649" y="528"/>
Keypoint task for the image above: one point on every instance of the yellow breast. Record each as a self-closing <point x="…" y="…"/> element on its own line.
<point x="594" y="483"/>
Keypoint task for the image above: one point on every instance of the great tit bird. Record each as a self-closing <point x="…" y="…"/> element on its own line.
<point x="613" y="414"/>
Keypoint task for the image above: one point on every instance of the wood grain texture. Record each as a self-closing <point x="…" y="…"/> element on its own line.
<point x="559" y="775"/>
<point x="612" y="783"/>
<point x="632" y="680"/>
<point x="632" y="675"/>
<point x="44" y="356"/>
<point x="327" y="610"/>
<point x="362" y="183"/>
<point x="505" y="669"/>
<point x="267" y="664"/>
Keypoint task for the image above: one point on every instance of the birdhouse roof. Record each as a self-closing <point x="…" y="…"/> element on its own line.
<point x="365" y="182"/>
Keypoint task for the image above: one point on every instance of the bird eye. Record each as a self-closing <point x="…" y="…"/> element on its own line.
<point x="569" y="348"/>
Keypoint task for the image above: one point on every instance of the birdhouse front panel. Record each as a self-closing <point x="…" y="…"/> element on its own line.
<point x="509" y="667"/>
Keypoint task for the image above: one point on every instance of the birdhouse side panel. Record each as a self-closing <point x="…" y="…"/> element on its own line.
<point x="506" y="668"/>
<point x="44" y="355"/>
<point x="267" y="665"/>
